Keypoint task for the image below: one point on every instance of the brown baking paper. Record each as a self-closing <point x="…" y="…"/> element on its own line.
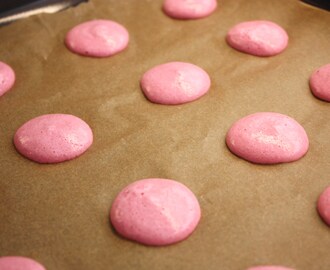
<point x="251" y="214"/>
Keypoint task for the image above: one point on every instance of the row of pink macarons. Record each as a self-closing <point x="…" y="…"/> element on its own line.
<point x="263" y="138"/>
<point x="171" y="83"/>
<point x="156" y="89"/>
<point x="184" y="196"/>
<point x="104" y="38"/>
<point x="161" y="211"/>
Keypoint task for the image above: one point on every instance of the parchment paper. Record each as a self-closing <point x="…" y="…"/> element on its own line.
<point x="251" y="214"/>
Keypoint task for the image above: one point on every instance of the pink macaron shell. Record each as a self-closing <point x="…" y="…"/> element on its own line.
<point x="7" y="78"/>
<point x="269" y="267"/>
<point x="189" y="9"/>
<point x="320" y="83"/>
<point x="53" y="138"/>
<point x="323" y="205"/>
<point x="175" y="83"/>
<point x="155" y="212"/>
<point x="260" y="38"/>
<point x="97" y="38"/>
<point x="267" y="138"/>
<point x="19" y="263"/>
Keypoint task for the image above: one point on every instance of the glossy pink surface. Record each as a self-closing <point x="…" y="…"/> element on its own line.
<point x="53" y="138"/>
<point x="7" y="78"/>
<point x="155" y="212"/>
<point x="260" y="38"/>
<point x="19" y="263"/>
<point x="97" y="38"/>
<point x="189" y="9"/>
<point x="320" y="82"/>
<point x="267" y="138"/>
<point x="175" y="83"/>
<point x="323" y="205"/>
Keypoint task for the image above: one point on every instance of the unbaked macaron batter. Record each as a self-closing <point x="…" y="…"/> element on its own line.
<point x="19" y="263"/>
<point x="260" y="38"/>
<point x="53" y="138"/>
<point x="7" y="78"/>
<point x="267" y="138"/>
<point x="155" y="212"/>
<point x="189" y="9"/>
<point x="175" y="83"/>
<point x="320" y="83"/>
<point x="97" y="38"/>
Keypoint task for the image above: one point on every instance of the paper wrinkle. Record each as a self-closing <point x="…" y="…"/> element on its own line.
<point x="44" y="24"/>
<point x="110" y="107"/>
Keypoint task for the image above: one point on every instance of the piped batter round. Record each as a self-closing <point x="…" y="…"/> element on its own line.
<point x="189" y="9"/>
<point x="269" y="267"/>
<point x="323" y="205"/>
<point x="97" y="38"/>
<point x="320" y="83"/>
<point x="7" y="78"/>
<point x="267" y="138"/>
<point x="260" y="38"/>
<point x="175" y="83"/>
<point x="19" y="263"/>
<point x="155" y="212"/>
<point x="53" y="138"/>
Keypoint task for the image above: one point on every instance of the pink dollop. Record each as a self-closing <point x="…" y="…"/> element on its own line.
<point x="267" y="138"/>
<point x="175" y="83"/>
<point x="97" y="38"/>
<point x="53" y="138"/>
<point x="260" y="38"/>
<point x="323" y="205"/>
<point x="7" y="78"/>
<point x="155" y="212"/>
<point x="320" y="83"/>
<point x="189" y="9"/>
